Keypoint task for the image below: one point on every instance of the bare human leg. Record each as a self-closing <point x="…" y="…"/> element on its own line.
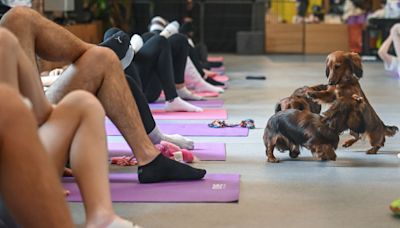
<point x="25" y="191"/>
<point x="75" y="132"/>
<point x="98" y="71"/>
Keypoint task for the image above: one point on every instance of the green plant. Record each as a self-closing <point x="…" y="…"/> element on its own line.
<point x="116" y="13"/>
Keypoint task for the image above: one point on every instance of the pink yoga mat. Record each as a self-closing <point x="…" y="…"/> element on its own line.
<point x="207" y="114"/>
<point x="193" y="129"/>
<point x="215" y="58"/>
<point x="221" y="78"/>
<point x="125" y="187"/>
<point x="203" y="151"/>
<point x="212" y="103"/>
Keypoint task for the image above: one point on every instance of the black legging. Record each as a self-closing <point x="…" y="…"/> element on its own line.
<point x="132" y="78"/>
<point x="179" y="52"/>
<point x="196" y="60"/>
<point x="154" y="64"/>
<point x="142" y="104"/>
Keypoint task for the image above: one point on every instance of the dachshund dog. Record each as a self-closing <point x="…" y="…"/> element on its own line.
<point x="343" y="70"/>
<point x="318" y="133"/>
<point x="300" y="101"/>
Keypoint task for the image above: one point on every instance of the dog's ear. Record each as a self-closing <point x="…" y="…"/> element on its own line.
<point x="355" y="63"/>
<point x="278" y="107"/>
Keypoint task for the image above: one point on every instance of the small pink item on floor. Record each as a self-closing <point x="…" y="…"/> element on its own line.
<point x="124" y="161"/>
<point x="173" y="151"/>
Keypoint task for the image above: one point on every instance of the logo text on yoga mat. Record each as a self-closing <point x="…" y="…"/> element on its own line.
<point x="218" y="186"/>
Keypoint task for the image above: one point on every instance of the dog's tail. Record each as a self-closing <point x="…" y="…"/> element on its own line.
<point x="391" y="130"/>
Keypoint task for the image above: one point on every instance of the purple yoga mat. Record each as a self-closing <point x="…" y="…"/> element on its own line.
<point x="193" y="129"/>
<point x="125" y="187"/>
<point x="214" y="103"/>
<point x="203" y="151"/>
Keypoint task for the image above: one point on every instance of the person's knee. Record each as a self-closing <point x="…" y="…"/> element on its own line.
<point x="7" y="40"/>
<point x="107" y="62"/>
<point x="19" y="16"/>
<point x="83" y="102"/>
<point x="395" y="30"/>
<point x="103" y="57"/>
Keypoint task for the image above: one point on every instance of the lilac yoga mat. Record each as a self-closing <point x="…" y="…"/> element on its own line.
<point x="214" y="103"/>
<point x="207" y="114"/>
<point x="194" y="129"/>
<point x="203" y="151"/>
<point x="126" y="188"/>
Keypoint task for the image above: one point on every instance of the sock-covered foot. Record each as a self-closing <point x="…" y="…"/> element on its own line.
<point x="136" y="42"/>
<point x="121" y="223"/>
<point x="165" y="169"/>
<point x="186" y="94"/>
<point x="203" y="86"/>
<point x="179" y="140"/>
<point x="179" y="105"/>
<point x="171" y="29"/>
<point x="156" y="136"/>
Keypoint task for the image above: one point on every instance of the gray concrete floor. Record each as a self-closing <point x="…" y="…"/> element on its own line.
<point x="354" y="191"/>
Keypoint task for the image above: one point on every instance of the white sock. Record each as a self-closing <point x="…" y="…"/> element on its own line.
<point x="171" y="29"/>
<point x="186" y="94"/>
<point x="203" y="86"/>
<point x="122" y="223"/>
<point x="156" y="136"/>
<point x="156" y="27"/>
<point x="179" y="105"/>
<point x="194" y="80"/>
<point x="175" y="24"/>
<point x="159" y="20"/>
<point x="136" y="42"/>
<point x="179" y="140"/>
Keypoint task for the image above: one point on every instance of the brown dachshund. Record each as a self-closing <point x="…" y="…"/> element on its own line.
<point x="318" y="133"/>
<point x="300" y="101"/>
<point x="343" y="70"/>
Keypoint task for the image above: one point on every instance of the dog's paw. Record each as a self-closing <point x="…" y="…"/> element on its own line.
<point x="372" y="151"/>
<point x="347" y="144"/>
<point x="294" y="154"/>
<point x="273" y="160"/>
<point x="332" y="157"/>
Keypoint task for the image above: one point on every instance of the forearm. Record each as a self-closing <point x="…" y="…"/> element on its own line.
<point x="383" y="51"/>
